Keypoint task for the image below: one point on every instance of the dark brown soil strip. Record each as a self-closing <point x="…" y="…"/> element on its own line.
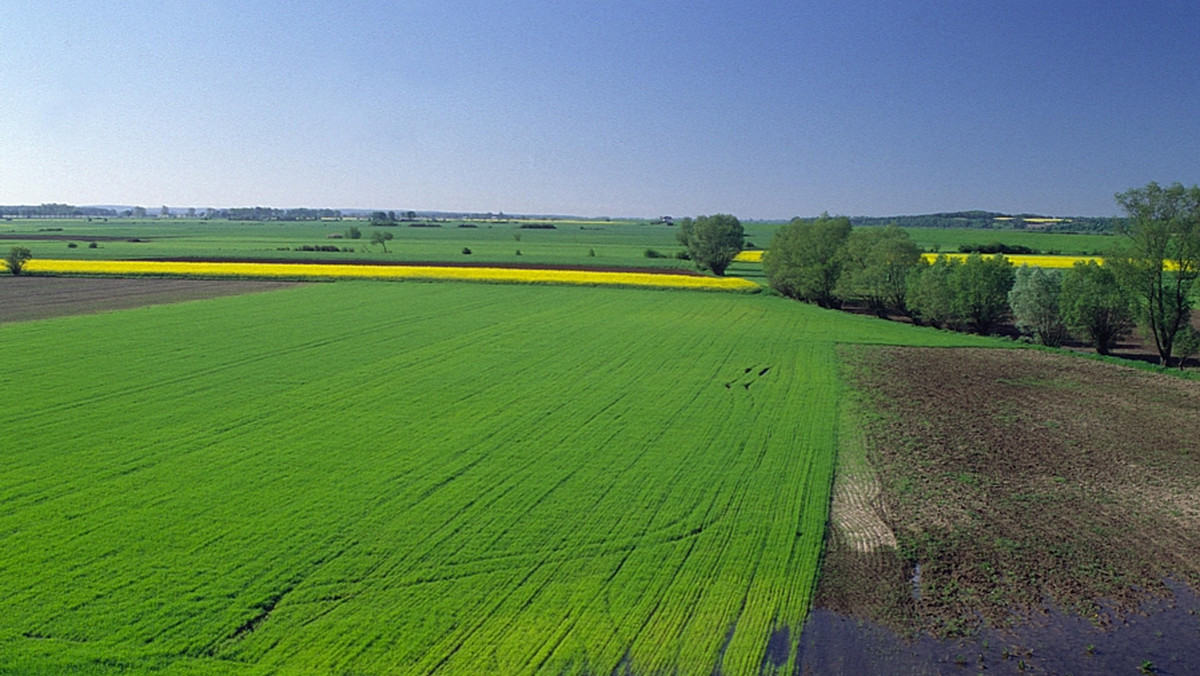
<point x="34" y="297"/>
<point x="1016" y="481"/>
<point x="69" y="238"/>
<point x="449" y="264"/>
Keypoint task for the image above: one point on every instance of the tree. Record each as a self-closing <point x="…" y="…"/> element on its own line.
<point x="353" y="232"/>
<point x="981" y="288"/>
<point x="712" y="241"/>
<point x="804" y="260"/>
<point x="16" y="259"/>
<point x="139" y="212"/>
<point x="1161" y="261"/>
<point x="1094" y="307"/>
<point x="876" y="266"/>
<point x="381" y="238"/>
<point x="930" y="292"/>
<point x="1034" y="299"/>
<point x="1187" y="344"/>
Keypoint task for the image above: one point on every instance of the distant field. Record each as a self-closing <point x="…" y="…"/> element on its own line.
<point x="948" y="240"/>
<point x="592" y="243"/>
<point x="420" y="478"/>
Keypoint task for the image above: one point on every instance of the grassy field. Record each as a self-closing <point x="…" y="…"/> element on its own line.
<point x="949" y="239"/>
<point x="613" y="244"/>
<point x="420" y="478"/>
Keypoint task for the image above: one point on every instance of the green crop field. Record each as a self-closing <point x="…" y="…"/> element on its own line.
<point x="406" y="478"/>
<point x="612" y="244"/>
<point x="949" y="239"/>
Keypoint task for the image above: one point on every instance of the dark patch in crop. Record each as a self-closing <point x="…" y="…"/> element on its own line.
<point x="778" y="648"/>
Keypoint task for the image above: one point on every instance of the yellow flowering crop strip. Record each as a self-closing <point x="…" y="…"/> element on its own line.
<point x="754" y="256"/>
<point x="386" y="272"/>
<point x="1035" y="261"/>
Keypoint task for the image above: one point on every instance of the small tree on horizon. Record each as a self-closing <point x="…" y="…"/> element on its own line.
<point x="381" y="237"/>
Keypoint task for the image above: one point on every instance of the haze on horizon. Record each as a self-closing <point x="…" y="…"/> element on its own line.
<point x="766" y="111"/>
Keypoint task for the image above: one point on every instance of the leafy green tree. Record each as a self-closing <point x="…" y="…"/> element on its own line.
<point x="805" y="258"/>
<point x="353" y="232"/>
<point x="1161" y="261"/>
<point x="931" y="293"/>
<point x="1094" y="306"/>
<point x="1034" y="299"/>
<point x="876" y="266"/>
<point x="16" y="259"/>
<point x="712" y="241"/>
<point x="1187" y="344"/>
<point x="981" y="288"/>
<point x="381" y="237"/>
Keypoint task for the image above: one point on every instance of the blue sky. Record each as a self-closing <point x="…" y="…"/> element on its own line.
<point x="760" y="109"/>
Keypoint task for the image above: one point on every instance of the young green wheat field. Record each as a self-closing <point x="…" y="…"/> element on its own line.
<point x="411" y="478"/>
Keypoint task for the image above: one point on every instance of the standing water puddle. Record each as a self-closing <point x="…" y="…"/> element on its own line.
<point x="1164" y="637"/>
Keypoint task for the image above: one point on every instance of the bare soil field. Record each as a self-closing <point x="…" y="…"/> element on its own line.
<point x="33" y="297"/>
<point x="1035" y="499"/>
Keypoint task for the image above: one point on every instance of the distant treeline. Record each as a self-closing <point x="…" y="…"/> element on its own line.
<point x="269" y="214"/>
<point x="233" y="214"/>
<point x="55" y="211"/>
<point x="990" y="220"/>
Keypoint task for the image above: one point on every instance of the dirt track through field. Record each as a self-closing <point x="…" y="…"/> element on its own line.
<point x="31" y="297"/>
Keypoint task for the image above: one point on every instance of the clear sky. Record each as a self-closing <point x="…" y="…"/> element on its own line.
<point x="760" y="109"/>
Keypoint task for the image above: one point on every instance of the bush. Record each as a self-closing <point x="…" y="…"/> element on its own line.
<point x="72" y="245"/>
<point x="93" y="245"/>
<point x="466" y="251"/>
<point x="653" y="253"/>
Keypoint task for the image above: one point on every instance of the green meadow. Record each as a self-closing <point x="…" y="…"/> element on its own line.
<point x="406" y="478"/>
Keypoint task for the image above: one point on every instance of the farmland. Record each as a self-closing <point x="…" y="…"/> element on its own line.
<point x="420" y="478"/>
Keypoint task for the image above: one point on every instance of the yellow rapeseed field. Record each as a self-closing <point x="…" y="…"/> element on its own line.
<point x="749" y="256"/>
<point x="415" y="272"/>
<point x="1036" y="261"/>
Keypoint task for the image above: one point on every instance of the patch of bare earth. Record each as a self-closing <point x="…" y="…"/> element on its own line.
<point x="33" y="297"/>
<point x="1018" y="484"/>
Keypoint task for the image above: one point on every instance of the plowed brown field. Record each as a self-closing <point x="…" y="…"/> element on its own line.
<point x="1016" y="482"/>
<point x="33" y="297"/>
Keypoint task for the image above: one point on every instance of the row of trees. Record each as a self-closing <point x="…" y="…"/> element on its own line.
<point x="1149" y="281"/>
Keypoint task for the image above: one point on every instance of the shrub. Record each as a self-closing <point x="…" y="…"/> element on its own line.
<point x="466" y="251"/>
<point x="653" y="253"/>
<point x="72" y="245"/>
